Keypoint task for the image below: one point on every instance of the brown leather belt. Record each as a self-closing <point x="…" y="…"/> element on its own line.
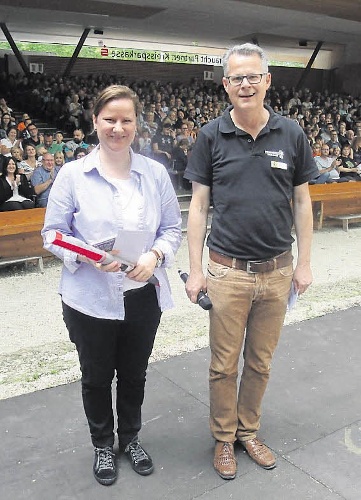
<point x="253" y="266"/>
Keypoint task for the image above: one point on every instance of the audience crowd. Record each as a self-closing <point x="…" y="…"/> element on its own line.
<point x="170" y="116"/>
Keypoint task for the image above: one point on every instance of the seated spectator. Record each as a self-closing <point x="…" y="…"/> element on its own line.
<point x="76" y="142"/>
<point x="43" y="178"/>
<point x="59" y="159"/>
<point x="21" y="126"/>
<point x="326" y="134"/>
<point x="17" y="153"/>
<point x="15" y="191"/>
<point x="159" y="115"/>
<point x="59" y="139"/>
<point x="185" y="133"/>
<point x="24" y="134"/>
<point x="306" y="117"/>
<point x="342" y="134"/>
<point x="350" y="134"/>
<point x="151" y="108"/>
<point x="356" y="148"/>
<point x="86" y="119"/>
<point x="75" y="110"/>
<point x="11" y="140"/>
<point x="150" y="123"/>
<point x="327" y="167"/>
<point x="307" y="103"/>
<point x="335" y="152"/>
<point x="337" y="121"/>
<point x="80" y="153"/>
<point x="180" y="159"/>
<point x="4" y="125"/>
<point x="180" y="119"/>
<point x="35" y="138"/>
<point x="163" y="143"/>
<point x="334" y="142"/>
<point x="314" y="134"/>
<point x="145" y="143"/>
<point x="30" y="161"/>
<point x="179" y="155"/>
<point x="295" y="100"/>
<point x="316" y="149"/>
<point x="4" y="108"/>
<point x="171" y="118"/>
<point x="348" y="168"/>
<point x="192" y="130"/>
<point x="50" y="145"/>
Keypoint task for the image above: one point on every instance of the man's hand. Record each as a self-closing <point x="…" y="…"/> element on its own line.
<point x="302" y="277"/>
<point x="195" y="283"/>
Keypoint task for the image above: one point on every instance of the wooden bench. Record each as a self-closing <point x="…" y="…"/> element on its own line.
<point x="20" y="238"/>
<point x="338" y="201"/>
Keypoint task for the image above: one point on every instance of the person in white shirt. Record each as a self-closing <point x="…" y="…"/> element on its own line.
<point x="327" y="167"/>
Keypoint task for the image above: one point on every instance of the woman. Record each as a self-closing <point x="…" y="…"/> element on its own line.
<point x="15" y="191"/>
<point x="356" y="148"/>
<point x="11" y="140"/>
<point x="30" y="161"/>
<point x="348" y="169"/>
<point x="114" y="323"/>
<point x="4" y="125"/>
<point x="316" y="149"/>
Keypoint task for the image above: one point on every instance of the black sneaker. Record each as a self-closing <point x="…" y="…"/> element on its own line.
<point x="104" y="465"/>
<point x="140" y="460"/>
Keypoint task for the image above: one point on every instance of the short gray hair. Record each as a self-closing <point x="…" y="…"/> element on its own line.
<point x="246" y="49"/>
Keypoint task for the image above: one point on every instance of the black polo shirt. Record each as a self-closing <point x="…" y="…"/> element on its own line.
<point x="251" y="183"/>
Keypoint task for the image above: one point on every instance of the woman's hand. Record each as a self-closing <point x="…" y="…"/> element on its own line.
<point x="144" y="268"/>
<point x="113" y="267"/>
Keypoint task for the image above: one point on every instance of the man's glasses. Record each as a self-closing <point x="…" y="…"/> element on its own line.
<point x="237" y="80"/>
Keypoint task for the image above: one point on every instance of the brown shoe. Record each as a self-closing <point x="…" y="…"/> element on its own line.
<point x="224" y="461"/>
<point x="260" y="453"/>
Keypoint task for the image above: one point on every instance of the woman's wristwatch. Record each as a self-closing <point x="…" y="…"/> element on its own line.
<point x="158" y="255"/>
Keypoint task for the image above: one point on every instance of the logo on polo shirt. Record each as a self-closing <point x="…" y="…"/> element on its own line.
<point x="275" y="154"/>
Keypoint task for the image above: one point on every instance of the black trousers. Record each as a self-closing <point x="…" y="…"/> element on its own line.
<point x="108" y="346"/>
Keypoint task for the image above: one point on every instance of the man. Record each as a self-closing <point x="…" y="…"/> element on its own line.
<point x="185" y="134"/>
<point x="350" y="135"/>
<point x="334" y="141"/>
<point x="159" y="115"/>
<point x="34" y="139"/>
<point x="49" y="144"/>
<point x="76" y="142"/>
<point x="163" y="144"/>
<point x="326" y="134"/>
<point x="253" y="162"/>
<point x="327" y="167"/>
<point x="43" y="178"/>
<point x="295" y="101"/>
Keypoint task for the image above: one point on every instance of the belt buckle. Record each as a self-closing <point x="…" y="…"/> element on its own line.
<point x="249" y="264"/>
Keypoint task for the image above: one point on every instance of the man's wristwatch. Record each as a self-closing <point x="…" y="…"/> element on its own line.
<point x="159" y="257"/>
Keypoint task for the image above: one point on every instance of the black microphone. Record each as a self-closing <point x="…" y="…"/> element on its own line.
<point x="202" y="298"/>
